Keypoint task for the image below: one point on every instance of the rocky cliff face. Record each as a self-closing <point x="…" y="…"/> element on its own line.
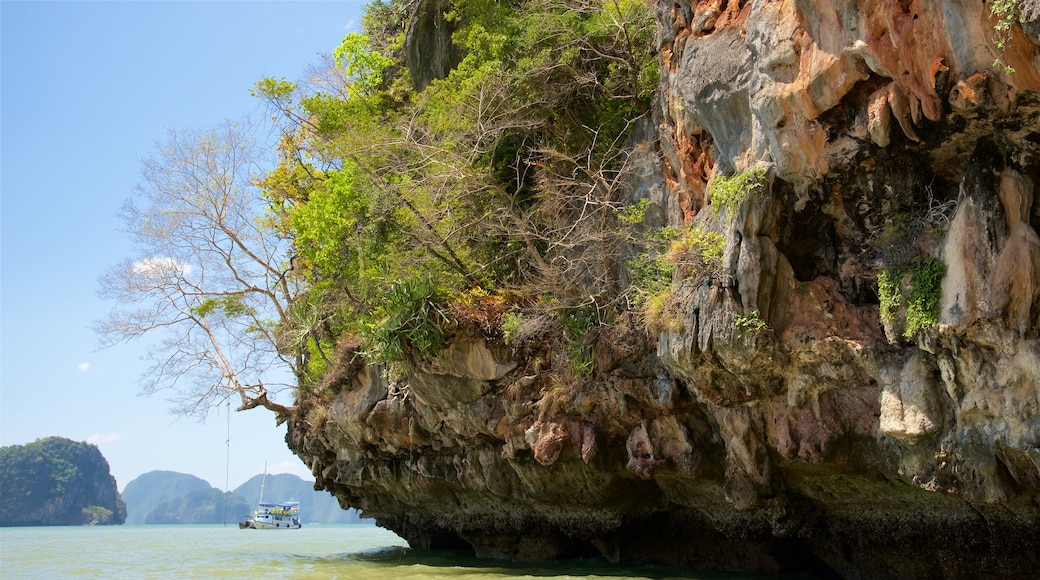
<point x="799" y="410"/>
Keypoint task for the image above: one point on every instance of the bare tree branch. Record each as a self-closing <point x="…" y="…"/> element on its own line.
<point x="209" y="278"/>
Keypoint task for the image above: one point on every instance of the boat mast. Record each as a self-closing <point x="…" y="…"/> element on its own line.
<point x="227" y="464"/>
<point x="263" y="482"/>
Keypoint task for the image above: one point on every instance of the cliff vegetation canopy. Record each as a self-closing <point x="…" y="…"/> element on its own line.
<point x="397" y="205"/>
<point x="503" y="174"/>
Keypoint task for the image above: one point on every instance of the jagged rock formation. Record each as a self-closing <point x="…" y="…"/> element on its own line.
<point x="789" y="415"/>
<point x="57" y="482"/>
<point x="429" y="51"/>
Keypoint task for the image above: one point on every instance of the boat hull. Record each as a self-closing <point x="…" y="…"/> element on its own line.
<point x="259" y="525"/>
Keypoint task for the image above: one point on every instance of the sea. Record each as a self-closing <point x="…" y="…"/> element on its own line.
<point x="344" y="551"/>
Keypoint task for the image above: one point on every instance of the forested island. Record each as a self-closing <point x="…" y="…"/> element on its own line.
<point x="57" y="482"/>
<point x="728" y="284"/>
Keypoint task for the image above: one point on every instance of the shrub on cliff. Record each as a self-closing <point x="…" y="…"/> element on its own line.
<point x="909" y="298"/>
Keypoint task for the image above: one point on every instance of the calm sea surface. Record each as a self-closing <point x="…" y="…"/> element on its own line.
<point x="358" y="551"/>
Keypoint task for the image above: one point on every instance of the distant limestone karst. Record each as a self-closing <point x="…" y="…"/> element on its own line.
<point x="317" y="507"/>
<point x="149" y="490"/>
<point x="168" y="497"/>
<point x="57" y="482"/>
<point x="206" y="505"/>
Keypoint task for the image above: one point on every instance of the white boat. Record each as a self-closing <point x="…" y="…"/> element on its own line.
<point x="277" y="516"/>
<point x="273" y="516"/>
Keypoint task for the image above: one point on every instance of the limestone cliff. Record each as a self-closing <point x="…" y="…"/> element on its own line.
<point x="795" y="411"/>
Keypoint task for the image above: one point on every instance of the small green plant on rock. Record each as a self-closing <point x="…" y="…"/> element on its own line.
<point x="694" y="253"/>
<point x="727" y="193"/>
<point x="749" y="323"/>
<point x="1006" y="12"/>
<point x="577" y="323"/>
<point x="651" y="275"/>
<point x="889" y="296"/>
<point x="698" y="253"/>
<point x="924" y="295"/>
<point x="921" y="299"/>
<point x="408" y="319"/>
<point x="511" y="322"/>
<point x="635" y="213"/>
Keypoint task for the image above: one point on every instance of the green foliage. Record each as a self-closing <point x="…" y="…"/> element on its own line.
<point x="384" y="22"/>
<point x="695" y="254"/>
<point x="279" y="90"/>
<point x="581" y="356"/>
<point x="577" y="324"/>
<point x="362" y="64"/>
<point x="506" y="172"/>
<point x="317" y="362"/>
<point x="230" y="306"/>
<point x="923" y="282"/>
<point x="511" y="322"/>
<point x="698" y="253"/>
<point x="347" y="229"/>
<point x="749" y="323"/>
<point x="1007" y="14"/>
<point x="407" y="320"/>
<point x="651" y="275"/>
<point x="635" y="213"/>
<point x="924" y="295"/>
<point x="97" y="514"/>
<point x="727" y="193"/>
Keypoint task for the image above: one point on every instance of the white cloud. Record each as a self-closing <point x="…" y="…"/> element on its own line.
<point x="98" y="438"/>
<point x="83" y="367"/>
<point x="159" y="266"/>
<point x="296" y="468"/>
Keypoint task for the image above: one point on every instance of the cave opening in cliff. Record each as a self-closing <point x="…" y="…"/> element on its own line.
<point x="808" y="238"/>
<point x="794" y="556"/>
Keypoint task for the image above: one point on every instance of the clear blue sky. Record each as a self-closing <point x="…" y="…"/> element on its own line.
<point x="88" y="89"/>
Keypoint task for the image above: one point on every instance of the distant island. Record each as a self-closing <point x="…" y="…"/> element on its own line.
<point x="148" y="491"/>
<point x="57" y="482"/>
<point x="202" y="506"/>
<point x="168" y="497"/>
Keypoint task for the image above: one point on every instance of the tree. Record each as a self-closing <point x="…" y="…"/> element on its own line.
<point x="211" y="277"/>
<point x="506" y="173"/>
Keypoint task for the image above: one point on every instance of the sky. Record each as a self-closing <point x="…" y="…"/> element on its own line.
<point x="87" y="90"/>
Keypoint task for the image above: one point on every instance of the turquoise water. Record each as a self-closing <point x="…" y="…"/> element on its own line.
<point x="357" y="551"/>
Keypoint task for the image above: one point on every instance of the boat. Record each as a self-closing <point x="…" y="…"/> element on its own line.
<point x="275" y="516"/>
